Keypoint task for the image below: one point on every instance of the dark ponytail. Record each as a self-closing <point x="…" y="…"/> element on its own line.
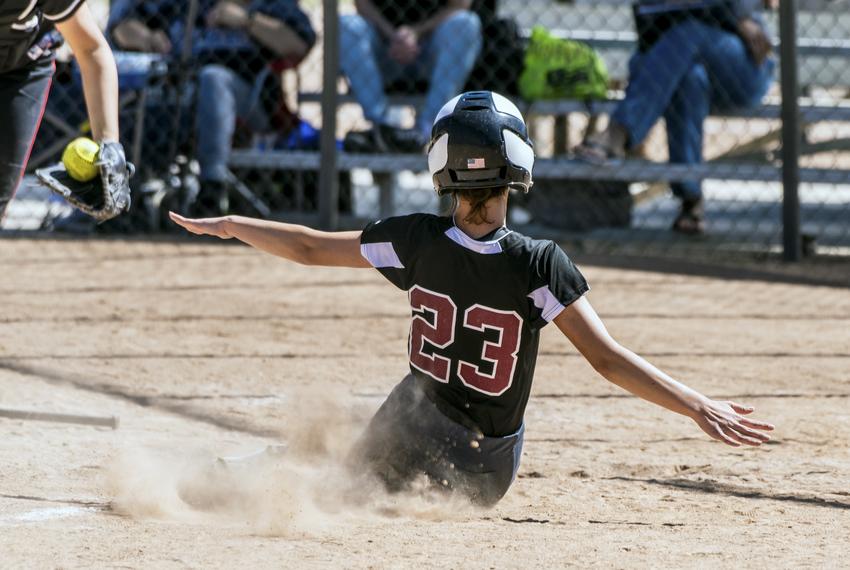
<point x="478" y="198"/>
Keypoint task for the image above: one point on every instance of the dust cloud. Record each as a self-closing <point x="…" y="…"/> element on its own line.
<point x="302" y="486"/>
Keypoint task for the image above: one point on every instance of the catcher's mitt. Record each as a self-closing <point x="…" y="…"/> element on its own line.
<point x="103" y="197"/>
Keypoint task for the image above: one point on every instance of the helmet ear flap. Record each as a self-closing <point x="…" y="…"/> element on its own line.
<point x="438" y="154"/>
<point x="520" y="154"/>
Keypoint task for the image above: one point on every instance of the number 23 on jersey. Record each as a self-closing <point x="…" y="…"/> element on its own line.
<point x="440" y="333"/>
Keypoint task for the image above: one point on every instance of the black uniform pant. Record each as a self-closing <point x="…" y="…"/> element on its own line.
<point x="409" y="436"/>
<point x="23" y="95"/>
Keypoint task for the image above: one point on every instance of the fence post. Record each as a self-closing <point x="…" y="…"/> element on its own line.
<point x="328" y="174"/>
<point x="790" y="131"/>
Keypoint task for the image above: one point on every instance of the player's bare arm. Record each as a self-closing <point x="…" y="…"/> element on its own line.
<point x="722" y="420"/>
<point x="98" y="186"/>
<point x="291" y="241"/>
<point x="97" y="67"/>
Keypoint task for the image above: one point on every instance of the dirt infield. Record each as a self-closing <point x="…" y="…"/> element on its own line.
<point x="204" y="349"/>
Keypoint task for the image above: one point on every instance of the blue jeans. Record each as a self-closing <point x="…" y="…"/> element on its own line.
<point x="691" y="69"/>
<point x="447" y="57"/>
<point x="223" y="96"/>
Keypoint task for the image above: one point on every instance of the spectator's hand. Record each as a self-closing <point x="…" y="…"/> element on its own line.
<point x="771" y="4"/>
<point x="404" y="45"/>
<point x="755" y="39"/>
<point x="159" y="42"/>
<point x="228" y="14"/>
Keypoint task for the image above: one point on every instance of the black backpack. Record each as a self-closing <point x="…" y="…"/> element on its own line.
<point x="502" y="53"/>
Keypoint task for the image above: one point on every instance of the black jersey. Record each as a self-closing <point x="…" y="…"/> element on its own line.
<point x="478" y="307"/>
<point x="25" y="26"/>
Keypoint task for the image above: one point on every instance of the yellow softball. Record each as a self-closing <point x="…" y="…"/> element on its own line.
<point x="79" y="159"/>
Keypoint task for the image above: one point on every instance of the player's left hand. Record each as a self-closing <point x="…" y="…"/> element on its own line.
<point x="203" y="226"/>
<point x="727" y="422"/>
<point x="228" y="14"/>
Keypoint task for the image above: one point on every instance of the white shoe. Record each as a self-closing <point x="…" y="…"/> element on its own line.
<point x="268" y="453"/>
<point x="221" y="484"/>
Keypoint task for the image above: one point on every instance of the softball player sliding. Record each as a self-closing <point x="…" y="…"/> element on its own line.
<point x="479" y="295"/>
<point x="27" y="45"/>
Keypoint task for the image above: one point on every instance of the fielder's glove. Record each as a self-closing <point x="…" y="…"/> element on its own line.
<point x="103" y="197"/>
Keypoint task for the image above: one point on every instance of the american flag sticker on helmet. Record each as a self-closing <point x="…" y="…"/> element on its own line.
<point x="475" y="163"/>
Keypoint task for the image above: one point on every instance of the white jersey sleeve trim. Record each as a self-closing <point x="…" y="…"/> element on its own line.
<point x="546" y="301"/>
<point x="381" y="254"/>
<point x="60" y="15"/>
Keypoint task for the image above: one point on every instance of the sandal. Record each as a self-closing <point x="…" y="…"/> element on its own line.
<point x="690" y="220"/>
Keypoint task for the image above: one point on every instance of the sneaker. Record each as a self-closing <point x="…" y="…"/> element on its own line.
<point x="364" y="142"/>
<point x="385" y="139"/>
<point x="403" y="140"/>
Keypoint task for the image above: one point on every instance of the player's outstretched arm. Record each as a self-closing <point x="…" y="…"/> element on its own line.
<point x="722" y="420"/>
<point x="294" y="242"/>
<point x="98" y="71"/>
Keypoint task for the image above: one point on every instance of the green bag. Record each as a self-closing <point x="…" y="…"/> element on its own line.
<point x="556" y="68"/>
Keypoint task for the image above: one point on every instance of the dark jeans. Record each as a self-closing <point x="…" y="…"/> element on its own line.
<point x="448" y="56"/>
<point x="410" y="437"/>
<point x="693" y="68"/>
<point x="224" y="96"/>
<point x="23" y="95"/>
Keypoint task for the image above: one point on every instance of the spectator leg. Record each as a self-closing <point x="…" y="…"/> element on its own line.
<point x="222" y="97"/>
<point x="655" y="76"/>
<point x="690" y="105"/>
<point x="451" y="52"/>
<point x="736" y="80"/>
<point x="361" y="48"/>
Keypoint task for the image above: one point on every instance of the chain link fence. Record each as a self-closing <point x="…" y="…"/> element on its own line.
<point x="657" y="124"/>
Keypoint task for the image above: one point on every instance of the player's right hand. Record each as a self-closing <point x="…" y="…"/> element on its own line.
<point x="203" y="226"/>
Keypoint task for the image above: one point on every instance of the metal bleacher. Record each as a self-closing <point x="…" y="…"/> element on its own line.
<point x="621" y="43"/>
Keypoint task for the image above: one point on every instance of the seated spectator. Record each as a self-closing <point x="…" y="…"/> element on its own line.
<point x="234" y="44"/>
<point x="387" y="41"/>
<point x="692" y="67"/>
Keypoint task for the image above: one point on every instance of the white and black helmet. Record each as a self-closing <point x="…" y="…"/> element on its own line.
<point x="479" y="140"/>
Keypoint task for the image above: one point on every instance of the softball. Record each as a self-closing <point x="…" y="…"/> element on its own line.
<point x="79" y="159"/>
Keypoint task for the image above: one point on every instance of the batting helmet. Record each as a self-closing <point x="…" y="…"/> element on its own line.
<point x="479" y="140"/>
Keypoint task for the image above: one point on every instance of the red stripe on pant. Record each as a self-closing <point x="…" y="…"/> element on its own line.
<point x="34" y="133"/>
